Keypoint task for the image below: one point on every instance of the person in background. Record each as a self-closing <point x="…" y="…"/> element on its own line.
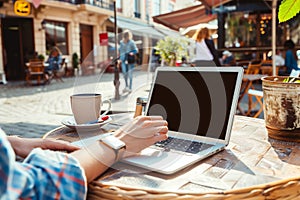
<point x="211" y="46"/>
<point x="228" y="59"/>
<point x="155" y="60"/>
<point x="279" y="60"/>
<point x="290" y="60"/>
<point x="127" y="51"/>
<point x="54" y="61"/>
<point x="205" y="48"/>
<point x="184" y="62"/>
<point x="49" y="174"/>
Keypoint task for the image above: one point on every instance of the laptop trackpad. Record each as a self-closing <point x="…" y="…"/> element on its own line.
<point x="160" y="160"/>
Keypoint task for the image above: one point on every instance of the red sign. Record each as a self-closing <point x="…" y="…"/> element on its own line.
<point x="103" y="38"/>
<point x="36" y="3"/>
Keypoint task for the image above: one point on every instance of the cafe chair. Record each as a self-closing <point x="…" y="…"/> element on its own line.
<point x="253" y="68"/>
<point x="35" y="72"/>
<point x="69" y="70"/>
<point x="242" y="63"/>
<point x="258" y="95"/>
<point x="267" y="67"/>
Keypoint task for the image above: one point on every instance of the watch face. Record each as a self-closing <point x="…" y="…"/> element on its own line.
<point x="113" y="142"/>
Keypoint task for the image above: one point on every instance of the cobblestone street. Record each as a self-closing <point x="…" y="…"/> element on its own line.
<point x="31" y="111"/>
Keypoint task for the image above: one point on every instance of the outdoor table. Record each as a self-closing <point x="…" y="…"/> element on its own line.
<point x="247" y="83"/>
<point x="252" y="166"/>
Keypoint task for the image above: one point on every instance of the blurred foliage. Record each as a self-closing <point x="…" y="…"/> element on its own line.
<point x="172" y="49"/>
<point x="288" y="9"/>
<point x="41" y="57"/>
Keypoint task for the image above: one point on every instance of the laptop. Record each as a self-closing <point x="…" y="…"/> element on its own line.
<point x="199" y="104"/>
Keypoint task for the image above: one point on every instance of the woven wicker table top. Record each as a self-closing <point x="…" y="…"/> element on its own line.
<point x="253" y="166"/>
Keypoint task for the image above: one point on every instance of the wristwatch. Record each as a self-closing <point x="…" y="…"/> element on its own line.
<point x="115" y="144"/>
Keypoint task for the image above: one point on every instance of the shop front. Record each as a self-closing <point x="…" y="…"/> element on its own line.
<point x="72" y="28"/>
<point x="244" y="27"/>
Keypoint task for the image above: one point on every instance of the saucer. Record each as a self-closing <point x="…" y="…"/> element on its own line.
<point x="71" y="123"/>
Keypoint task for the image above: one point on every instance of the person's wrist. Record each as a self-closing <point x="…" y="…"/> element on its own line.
<point x="115" y="144"/>
<point x="15" y="142"/>
<point x="101" y="153"/>
<point x="127" y="139"/>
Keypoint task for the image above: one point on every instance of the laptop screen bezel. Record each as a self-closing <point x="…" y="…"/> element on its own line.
<point x="236" y="69"/>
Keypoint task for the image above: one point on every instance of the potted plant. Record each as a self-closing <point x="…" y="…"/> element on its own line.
<point x="41" y="57"/>
<point x="281" y="93"/>
<point x="75" y="62"/>
<point x="172" y="49"/>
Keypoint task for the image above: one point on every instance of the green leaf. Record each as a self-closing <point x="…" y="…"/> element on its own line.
<point x="288" y="9"/>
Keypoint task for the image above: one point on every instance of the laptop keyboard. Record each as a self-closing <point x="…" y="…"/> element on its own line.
<point x="183" y="145"/>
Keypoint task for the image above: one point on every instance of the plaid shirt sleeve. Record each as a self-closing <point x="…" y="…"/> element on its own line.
<point x="44" y="174"/>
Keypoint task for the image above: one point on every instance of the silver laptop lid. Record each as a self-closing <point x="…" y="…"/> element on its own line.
<point x="197" y="100"/>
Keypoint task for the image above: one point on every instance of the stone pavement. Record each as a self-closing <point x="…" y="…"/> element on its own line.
<point x="31" y="111"/>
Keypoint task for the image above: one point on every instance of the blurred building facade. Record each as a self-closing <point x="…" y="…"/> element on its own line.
<point x="75" y="27"/>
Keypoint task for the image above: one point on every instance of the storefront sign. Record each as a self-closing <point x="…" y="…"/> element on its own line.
<point x="22" y="8"/>
<point x="103" y="38"/>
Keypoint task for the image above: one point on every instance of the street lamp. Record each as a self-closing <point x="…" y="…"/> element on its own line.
<point x="115" y="61"/>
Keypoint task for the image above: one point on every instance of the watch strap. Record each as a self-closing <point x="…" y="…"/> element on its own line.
<point x="115" y="144"/>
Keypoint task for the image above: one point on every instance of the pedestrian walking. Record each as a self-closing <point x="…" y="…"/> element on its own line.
<point x="127" y="51"/>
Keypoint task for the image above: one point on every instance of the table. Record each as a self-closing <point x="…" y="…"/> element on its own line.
<point x="246" y="85"/>
<point x="253" y="166"/>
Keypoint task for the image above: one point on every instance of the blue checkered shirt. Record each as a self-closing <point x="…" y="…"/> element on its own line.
<point x="44" y="174"/>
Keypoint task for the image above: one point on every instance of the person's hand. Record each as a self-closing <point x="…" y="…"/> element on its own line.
<point x="23" y="146"/>
<point x="138" y="134"/>
<point x="142" y="132"/>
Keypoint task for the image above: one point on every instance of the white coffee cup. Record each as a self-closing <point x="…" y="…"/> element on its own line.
<point x="86" y="107"/>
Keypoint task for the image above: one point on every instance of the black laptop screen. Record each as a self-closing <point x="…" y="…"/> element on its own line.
<point x="194" y="102"/>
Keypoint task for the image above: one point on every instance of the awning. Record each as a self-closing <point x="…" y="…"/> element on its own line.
<point x="190" y="16"/>
<point x="167" y="32"/>
<point x="185" y="17"/>
<point x="214" y="3"/>
<point x="138" y="28"/>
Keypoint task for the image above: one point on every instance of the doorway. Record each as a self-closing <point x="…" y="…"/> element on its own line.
<point x="18" y="45"/>
<point x="86" y="47"/>
<point x="86" y="41"/>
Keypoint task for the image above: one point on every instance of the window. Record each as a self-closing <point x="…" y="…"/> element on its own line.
<point x="119" y="5"/>
<point x="170" y="7"/>
<point x="56" y="35"/>
<point x="137" y="9"/>
<point x="148" y="3"/>
<point x="156" y="7"/>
